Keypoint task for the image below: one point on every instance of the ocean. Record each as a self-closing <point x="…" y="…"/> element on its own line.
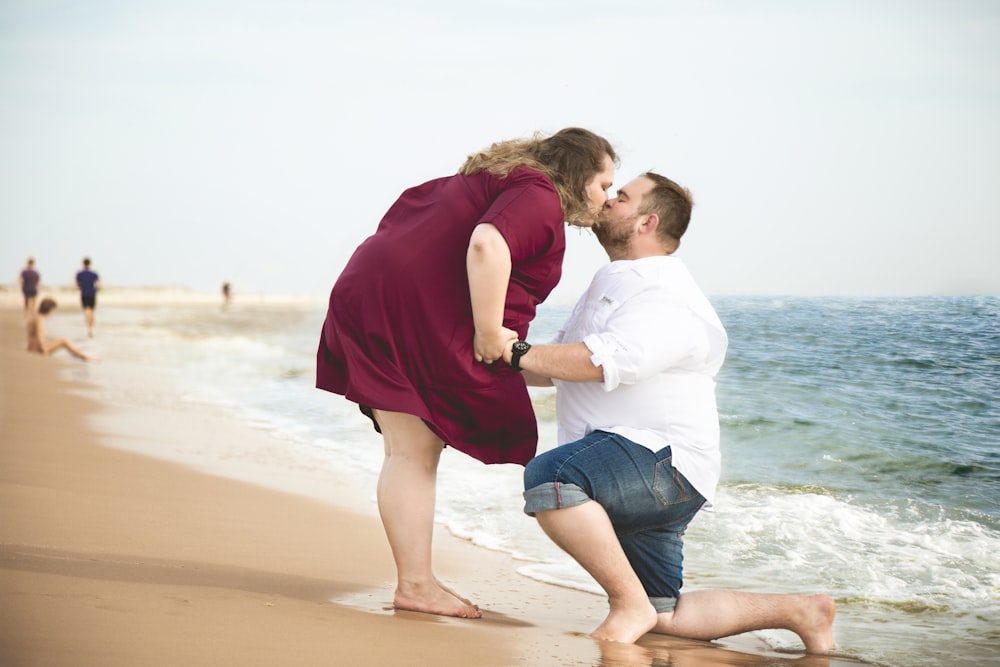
<point x="861" y="448"/>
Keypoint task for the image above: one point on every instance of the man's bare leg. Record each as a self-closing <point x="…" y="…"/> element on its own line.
<point x="585" y="533"/>
<point x="406" y="497"/>
<point x="713" y="614"/>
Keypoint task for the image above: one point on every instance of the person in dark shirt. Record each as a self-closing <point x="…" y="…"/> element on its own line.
<point x="88" y="282"/>
<point x="29" y="287"/>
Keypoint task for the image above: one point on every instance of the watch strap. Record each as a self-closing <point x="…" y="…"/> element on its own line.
<point x="518" y="350"/>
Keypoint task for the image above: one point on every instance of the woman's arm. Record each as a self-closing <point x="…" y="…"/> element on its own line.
<point x="488" y="264"/>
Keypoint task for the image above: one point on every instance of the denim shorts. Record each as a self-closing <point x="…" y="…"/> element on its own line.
<point x="649" y="502"/>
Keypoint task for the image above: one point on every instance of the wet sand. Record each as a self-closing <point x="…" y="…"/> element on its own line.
<point x="112" y="558"/>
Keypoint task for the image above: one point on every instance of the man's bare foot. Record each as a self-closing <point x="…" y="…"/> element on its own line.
<point x="816" y="628"/>
<point x="616" y="653"/>
<point x="626" y="623"/>
<point x="434" y="599"/>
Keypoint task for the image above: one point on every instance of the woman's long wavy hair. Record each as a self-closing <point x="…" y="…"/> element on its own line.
<point x="570" y="158"/>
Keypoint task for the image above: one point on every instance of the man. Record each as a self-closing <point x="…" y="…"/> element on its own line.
<point x="29" y="287"/>
<point x="639" y="433"/>
<point x="88" y="282"/>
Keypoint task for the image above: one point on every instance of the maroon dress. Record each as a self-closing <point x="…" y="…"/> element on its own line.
<point x="398" y="331"/>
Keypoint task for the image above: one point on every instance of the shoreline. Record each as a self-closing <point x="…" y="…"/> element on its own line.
<point x="110" y="557"/>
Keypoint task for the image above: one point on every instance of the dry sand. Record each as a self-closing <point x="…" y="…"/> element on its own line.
<point x="111" y="558"/>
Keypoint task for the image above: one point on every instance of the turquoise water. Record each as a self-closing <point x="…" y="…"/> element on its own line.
<point x="884" y="401"/>
<point x="861" y="446"/>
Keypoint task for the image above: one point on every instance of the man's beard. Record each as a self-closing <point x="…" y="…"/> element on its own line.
<point x="615" y="237"/>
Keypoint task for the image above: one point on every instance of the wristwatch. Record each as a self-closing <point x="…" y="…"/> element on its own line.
<point x="518" y="350"/>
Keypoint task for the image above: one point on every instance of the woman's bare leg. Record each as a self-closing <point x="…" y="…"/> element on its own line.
<point x="65" y="343"/>
<point x="406" y="497"/>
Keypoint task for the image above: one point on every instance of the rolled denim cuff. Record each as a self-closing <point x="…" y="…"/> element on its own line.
<point x="662" y="605"/>
<point x="553" y="496"/>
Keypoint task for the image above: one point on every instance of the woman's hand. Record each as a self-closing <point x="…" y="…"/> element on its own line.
<point x="508" y="351"/>
<point x="490" y="346"/>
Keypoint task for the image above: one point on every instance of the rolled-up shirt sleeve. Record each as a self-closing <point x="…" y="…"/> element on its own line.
<point x="647" y="336"/>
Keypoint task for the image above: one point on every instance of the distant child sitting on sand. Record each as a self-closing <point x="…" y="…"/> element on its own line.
<point x="36" y="334"/>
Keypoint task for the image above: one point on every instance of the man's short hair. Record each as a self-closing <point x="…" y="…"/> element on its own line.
<point x="672" y="203"/>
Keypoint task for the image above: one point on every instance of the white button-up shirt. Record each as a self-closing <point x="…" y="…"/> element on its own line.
<point x="660" y="345"/>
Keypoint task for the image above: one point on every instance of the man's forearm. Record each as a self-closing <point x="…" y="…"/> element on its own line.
<point x="567" y="361"/>
<point x="536" y="379"/>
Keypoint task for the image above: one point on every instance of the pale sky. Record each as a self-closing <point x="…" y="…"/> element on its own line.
<point x="832" y="148"/>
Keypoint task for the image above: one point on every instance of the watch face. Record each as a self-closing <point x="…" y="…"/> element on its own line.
<point x="521" y="346"/>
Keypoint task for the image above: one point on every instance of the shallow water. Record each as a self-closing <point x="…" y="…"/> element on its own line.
<point x="861" y="444"/>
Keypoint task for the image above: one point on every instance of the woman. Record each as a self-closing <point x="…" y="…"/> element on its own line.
<point x="36" y="334"/>
<point x="423" y="309"/>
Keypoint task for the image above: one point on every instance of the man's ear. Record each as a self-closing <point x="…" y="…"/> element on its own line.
<point x="650" y="224"/>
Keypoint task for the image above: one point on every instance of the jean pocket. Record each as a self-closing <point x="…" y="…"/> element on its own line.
<point x="669" y="485"/>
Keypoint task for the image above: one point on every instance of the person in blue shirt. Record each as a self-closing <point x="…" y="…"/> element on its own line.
<point x="88" y="282"/>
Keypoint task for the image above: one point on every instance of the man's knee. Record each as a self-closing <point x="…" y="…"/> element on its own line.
<point x="540" y="470"/>
<point x="547" y="487"/>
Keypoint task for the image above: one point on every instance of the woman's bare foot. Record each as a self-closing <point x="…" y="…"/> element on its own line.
<point x="433" y="599"/>
<point x="465" y="600"/>
<point x="816" y="628"/>
<point x="626" y="622"/>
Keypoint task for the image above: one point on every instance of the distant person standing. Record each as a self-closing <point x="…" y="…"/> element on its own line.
<point x="227" y="294"/>
<point x="29" y="287"/>
<point x="88" y="282"/>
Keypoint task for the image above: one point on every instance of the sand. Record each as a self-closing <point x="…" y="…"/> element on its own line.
<point x="112" y="558"/>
